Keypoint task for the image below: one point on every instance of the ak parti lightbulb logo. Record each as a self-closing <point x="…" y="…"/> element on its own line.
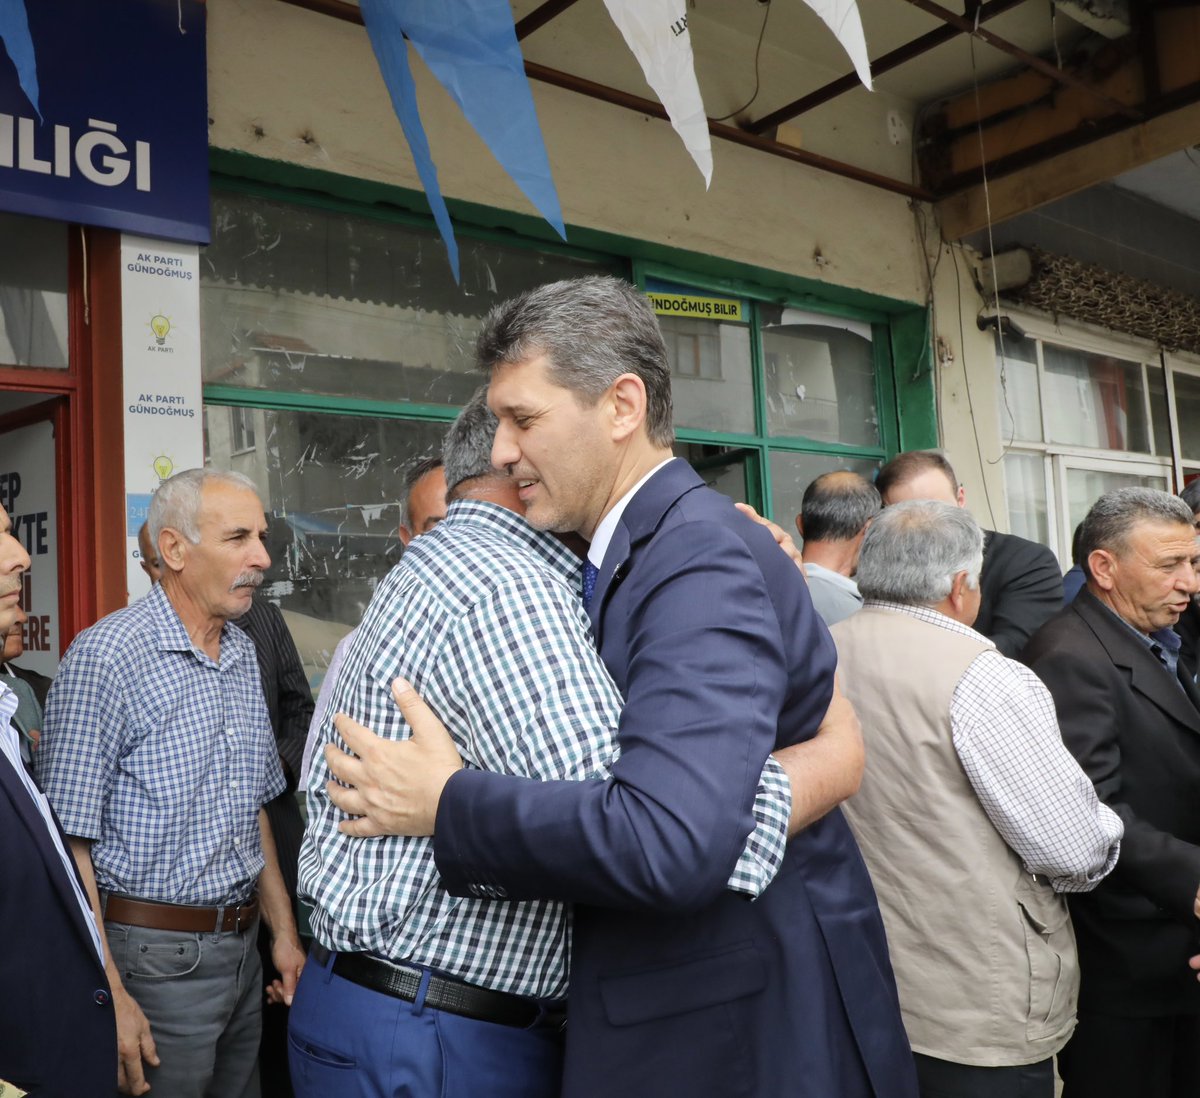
<point x="161" y="327"/>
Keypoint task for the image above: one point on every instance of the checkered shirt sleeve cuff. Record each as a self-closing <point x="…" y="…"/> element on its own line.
<point x="764" y="850"/>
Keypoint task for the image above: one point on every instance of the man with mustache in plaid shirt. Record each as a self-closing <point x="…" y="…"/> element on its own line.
<point x="158" y="755"/>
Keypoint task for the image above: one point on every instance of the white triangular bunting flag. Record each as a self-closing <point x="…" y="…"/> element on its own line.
<point x="657" y="33"/>
<point x="841" y="17"/>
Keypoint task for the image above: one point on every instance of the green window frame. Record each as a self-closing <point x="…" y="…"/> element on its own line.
<point x="905" y="397"/>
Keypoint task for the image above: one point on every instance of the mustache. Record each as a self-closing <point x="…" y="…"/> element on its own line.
<point x="247" y="579"/>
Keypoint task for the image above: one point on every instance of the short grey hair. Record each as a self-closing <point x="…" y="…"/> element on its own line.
<point x="467" y="449"/>
<point x="914" y="549"/>
<point x="592" y="330"/>
<point x="177" y="501"/>
<point x="420" y="467"/>
<point x="837" y="505"/>
<point x="1114" y="515"/>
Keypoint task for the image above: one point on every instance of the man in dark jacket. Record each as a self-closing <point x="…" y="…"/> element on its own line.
<point x="1021" y="583"/>
<point x="1130" y="713"/>
<point x="58" y="1035"/>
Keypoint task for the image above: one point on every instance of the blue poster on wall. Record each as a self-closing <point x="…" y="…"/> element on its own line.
<point x="118" y="135"/>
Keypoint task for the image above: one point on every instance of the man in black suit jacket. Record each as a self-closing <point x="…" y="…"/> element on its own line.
<point x="1021" y="583"/>
<point x="290" y="705"/>
<point x="1130" y="713"/>
<point x="58" y="1036"/>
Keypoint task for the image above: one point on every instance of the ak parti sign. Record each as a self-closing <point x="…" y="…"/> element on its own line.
<point x="119" y="136"/>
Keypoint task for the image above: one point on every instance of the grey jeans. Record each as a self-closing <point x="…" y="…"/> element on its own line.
<point x="202" y="995"/>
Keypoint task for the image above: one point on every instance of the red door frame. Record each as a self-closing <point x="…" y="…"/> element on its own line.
<point x="89" y="434"/>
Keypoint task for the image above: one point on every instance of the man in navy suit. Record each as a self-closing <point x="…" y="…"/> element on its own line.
<point x="58" y="1036"/>
<point x="678" y="986"/>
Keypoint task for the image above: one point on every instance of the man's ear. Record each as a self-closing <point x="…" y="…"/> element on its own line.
<point x="1103" y="566"/>
<point x="800" y="525"/>
<point x="961" y="496"/>
<point x="958" y="589"/>
<point x="627" y="398"/>
<point x="172" y="549"/>
<point x="406" y="535"/>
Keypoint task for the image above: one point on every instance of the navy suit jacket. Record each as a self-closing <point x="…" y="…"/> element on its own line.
<point x="58" y="1036"/>
<point x="679" y="986"/>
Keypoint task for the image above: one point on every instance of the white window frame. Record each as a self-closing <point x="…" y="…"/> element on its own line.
<point x="1179" y="362"/>
<point x="1058" y="458"/>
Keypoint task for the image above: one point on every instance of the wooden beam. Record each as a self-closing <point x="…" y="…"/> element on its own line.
<point x="880" y="65"/>
<point x="540" y="16"/>
<point x="1069" y="172"/>
<point x="349" y="12"/>
<point x="1061" y="76"/>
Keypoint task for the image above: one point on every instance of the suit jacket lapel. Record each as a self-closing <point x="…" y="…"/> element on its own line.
<point x="1147" y="675"/>
<point x="11" y="785"/>
<point x="612" y="571"/>
<point x="640" y="519"/>
<point x="1189" y="685"/>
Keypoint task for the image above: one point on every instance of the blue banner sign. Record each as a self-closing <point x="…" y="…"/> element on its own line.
<point x="119" y="135"/>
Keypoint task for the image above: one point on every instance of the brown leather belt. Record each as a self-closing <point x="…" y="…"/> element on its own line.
<point x="193" y="920"/>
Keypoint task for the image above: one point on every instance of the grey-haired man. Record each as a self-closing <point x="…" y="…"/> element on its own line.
<point x="1130" y="713"/>
<point x="972" y="817"/>
<point x="158" y="756"/>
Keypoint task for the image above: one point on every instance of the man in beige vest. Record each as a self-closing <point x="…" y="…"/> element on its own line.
<point x="973" y="817"/>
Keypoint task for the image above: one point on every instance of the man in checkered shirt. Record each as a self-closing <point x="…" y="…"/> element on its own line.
<point x="158" y="755"/>
<point x="484" y="613"/>
<point x="973" y="817"/>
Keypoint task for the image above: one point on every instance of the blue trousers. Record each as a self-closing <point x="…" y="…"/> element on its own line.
<point x="350" y="1042"/>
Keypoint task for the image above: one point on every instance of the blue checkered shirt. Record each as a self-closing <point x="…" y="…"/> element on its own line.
<point x="483" y="615"/>
<point x="161" y="756"/>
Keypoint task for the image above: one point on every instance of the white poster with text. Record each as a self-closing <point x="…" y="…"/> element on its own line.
<point x="164" y="427"/>
<point x="27" y="491"/>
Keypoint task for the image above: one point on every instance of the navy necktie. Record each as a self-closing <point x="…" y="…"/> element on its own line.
<point x="590" y="574"/>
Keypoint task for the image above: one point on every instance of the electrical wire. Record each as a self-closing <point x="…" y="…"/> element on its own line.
<point x="962" y="336"/>
<point x="757" y="50"/>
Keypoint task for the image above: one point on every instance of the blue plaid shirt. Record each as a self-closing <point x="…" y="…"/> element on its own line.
<point x="161" y="756"/>
<point x="483" y="615"/>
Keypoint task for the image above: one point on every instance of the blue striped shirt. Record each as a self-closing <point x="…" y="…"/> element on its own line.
<point x="483" y="615"/>
<point x="161" y="756"/>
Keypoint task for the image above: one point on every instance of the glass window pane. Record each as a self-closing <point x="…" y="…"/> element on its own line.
<point x="1085" y="486"/>
<point x="330" y="486"/>
<point x="1187" y="411"/>
<point x="1025" y="491"/>
<point x="1020" y="405"/>
<point x="820" y="377"/>
<point x="1159" y="413"/>
<point x="33" y="292"/>
<point x="1094" y="400"/>
<point x="791" y="473"/>
<point x="299" y="299"/>
<point x="722" y="467"/>
<point x="711" y="377"/>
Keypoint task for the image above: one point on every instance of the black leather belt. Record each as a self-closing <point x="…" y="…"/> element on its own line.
<point x="443" y="993"/>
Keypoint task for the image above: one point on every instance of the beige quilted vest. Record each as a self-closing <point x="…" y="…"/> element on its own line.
<point x="984" y="954"/>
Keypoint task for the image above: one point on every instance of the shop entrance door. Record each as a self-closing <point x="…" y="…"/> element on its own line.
<point x="31" y="433"/>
